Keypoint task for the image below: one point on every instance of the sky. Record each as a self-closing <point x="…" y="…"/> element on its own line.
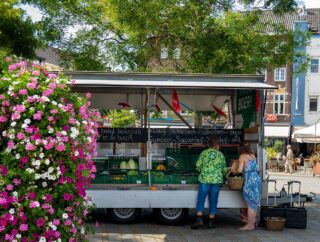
<point x="312" y="3"/>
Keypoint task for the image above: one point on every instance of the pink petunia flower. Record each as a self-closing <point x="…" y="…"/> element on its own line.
<point x="66" y="196"/>
<point x="40" y="222"/>
<point x="30" y="147"/>
<point x="23" y="92"/>
<point x="23" y="227"/>
<point x="60" y="147"/>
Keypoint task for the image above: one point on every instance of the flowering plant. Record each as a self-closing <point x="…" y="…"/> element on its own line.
<point x="48" y="137"/>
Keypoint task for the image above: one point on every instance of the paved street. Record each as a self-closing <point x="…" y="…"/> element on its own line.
<point x="227" y="224"/>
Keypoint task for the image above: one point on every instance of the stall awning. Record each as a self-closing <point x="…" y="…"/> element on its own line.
<point x="309" y="134"/>
<point x="276" y="131"/>
<point x="197" y="92"/>
<point x="165" y="80"/>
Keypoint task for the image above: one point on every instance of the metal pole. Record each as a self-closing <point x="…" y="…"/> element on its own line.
<point x="149" y="144"/>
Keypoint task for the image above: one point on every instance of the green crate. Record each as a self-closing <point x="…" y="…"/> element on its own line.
<point x="176" y="160"/>
<point x="174" y="179"/>
<point x="166" y="179"/>
<point x="179" y="179"/>
<point x="110" y="179"/>
<point x="137" y="180"/>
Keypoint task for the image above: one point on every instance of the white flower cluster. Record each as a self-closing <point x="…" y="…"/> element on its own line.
<point x="74" y="133"/>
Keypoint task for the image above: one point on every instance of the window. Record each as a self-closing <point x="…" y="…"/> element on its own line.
<point x="280" y="74"/>
<point x="315" y="66"/>
<point x="279" y="103"/>
<point x="313" y="104"/>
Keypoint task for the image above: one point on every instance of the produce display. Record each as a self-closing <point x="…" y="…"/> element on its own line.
<point x="178" y="167"/>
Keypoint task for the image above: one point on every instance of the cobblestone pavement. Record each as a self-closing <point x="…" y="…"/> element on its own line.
<point x="227" y="224"/>
<point x="146" y="229"/>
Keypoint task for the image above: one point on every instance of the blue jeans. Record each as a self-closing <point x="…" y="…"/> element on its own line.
<point x="213" y="191"/>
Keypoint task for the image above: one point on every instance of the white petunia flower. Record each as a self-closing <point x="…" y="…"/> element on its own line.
<point x="42" y="239"/>
<point x="18" y="156"/>
<point x="41" y="155"/>
<point x="15" y="194"/>
<point x="24" y="126"/>
<point x="37" y="176"/>
<point x="64" y="133"/>
<point x="27" y="121"/>
<point x="54" y="228"/>
<point x="82" y="230"/>
<point x="47" y="161"/>
<point x="50" y="131"/>
<point x="54" y="103"/>
<point x="18" y="236"/>
<point x="44" y="184"/>
<point x="30" y="170"/>
<point x="11" y="211"/>
<point x="37" y="163"/>
<point x="76" y="153"/>
<point x="51" y="169"/>
<point x="64" y="216"/>
<point x="13" y="124"/>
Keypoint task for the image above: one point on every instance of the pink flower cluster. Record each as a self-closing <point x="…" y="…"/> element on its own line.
<point x="46" y="162"/>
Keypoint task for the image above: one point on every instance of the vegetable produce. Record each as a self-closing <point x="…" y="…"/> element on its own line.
<point x="123" y="165"/>
<point x="132" y="173"/>
<point x="132" y="164"/>
<point x="161" y="168"/>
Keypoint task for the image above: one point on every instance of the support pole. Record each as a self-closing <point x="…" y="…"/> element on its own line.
<point x="178" y="114"/>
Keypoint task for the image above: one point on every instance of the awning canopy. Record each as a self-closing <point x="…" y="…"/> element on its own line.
<point x="197" y="92"/>
<point x="309" y="134"/>
<point x="276" y="131"/>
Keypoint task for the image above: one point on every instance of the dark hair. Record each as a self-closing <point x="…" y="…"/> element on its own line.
<point x="245" y="148"/>
<point x="213" y="140"/>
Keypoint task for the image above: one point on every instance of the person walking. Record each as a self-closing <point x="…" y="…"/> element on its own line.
<point x="252" y="184"/>
<point x="212" y="167"/>
<point x="289" y="160"/>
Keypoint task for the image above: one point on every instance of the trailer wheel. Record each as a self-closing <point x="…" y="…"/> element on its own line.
<point x="123" y="215"/>
<point x="171" y="216"/>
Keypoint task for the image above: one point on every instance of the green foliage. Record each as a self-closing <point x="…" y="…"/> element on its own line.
<point x="122" y="118"/>
<point x="17" y="33"/>
<point x="278" y="145"/>
<point x="156" y="114"/>
<point x="271" y="152"/>
<point x="129" y="34"/>
<point x="273" y="148"/>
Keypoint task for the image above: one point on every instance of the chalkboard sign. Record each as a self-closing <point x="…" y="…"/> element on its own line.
<point x="181" y="136"/>
<point x="123" y="135"/>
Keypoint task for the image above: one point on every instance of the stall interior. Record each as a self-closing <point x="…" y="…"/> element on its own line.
<point x="169" y="165"/>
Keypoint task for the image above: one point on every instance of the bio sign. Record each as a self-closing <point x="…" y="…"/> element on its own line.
<point x="246" y="109"/>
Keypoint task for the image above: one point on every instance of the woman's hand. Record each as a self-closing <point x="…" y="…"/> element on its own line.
<point x="234" y="166"/>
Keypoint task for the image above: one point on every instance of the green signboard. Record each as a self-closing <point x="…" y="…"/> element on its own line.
<point x="246" y="109"/>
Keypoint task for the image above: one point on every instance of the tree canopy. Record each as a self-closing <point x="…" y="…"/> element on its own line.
<point x="197" y="36"/>
<point x="17" y="32"/>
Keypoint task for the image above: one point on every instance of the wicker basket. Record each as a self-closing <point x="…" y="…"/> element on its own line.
<point x="235" y="183"/>
<point x="274" y="223"/>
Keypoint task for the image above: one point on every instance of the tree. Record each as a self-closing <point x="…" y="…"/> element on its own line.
<point x="17" y="33"/>
<point x="210" y="36"/>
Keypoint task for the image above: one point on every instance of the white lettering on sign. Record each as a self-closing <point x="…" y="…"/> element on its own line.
<point x="244" y="103"/>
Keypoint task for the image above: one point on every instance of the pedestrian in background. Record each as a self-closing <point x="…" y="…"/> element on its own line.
<point x="289" y="160"/>
<point x="212" y="167"/>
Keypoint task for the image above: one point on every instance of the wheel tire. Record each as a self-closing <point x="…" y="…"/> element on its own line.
<point x="171" y="216"/>
<point x="123" y="215"/>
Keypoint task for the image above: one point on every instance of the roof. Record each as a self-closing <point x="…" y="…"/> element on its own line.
<point x="168" y="80"/>
<point x="312" y="16"/>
